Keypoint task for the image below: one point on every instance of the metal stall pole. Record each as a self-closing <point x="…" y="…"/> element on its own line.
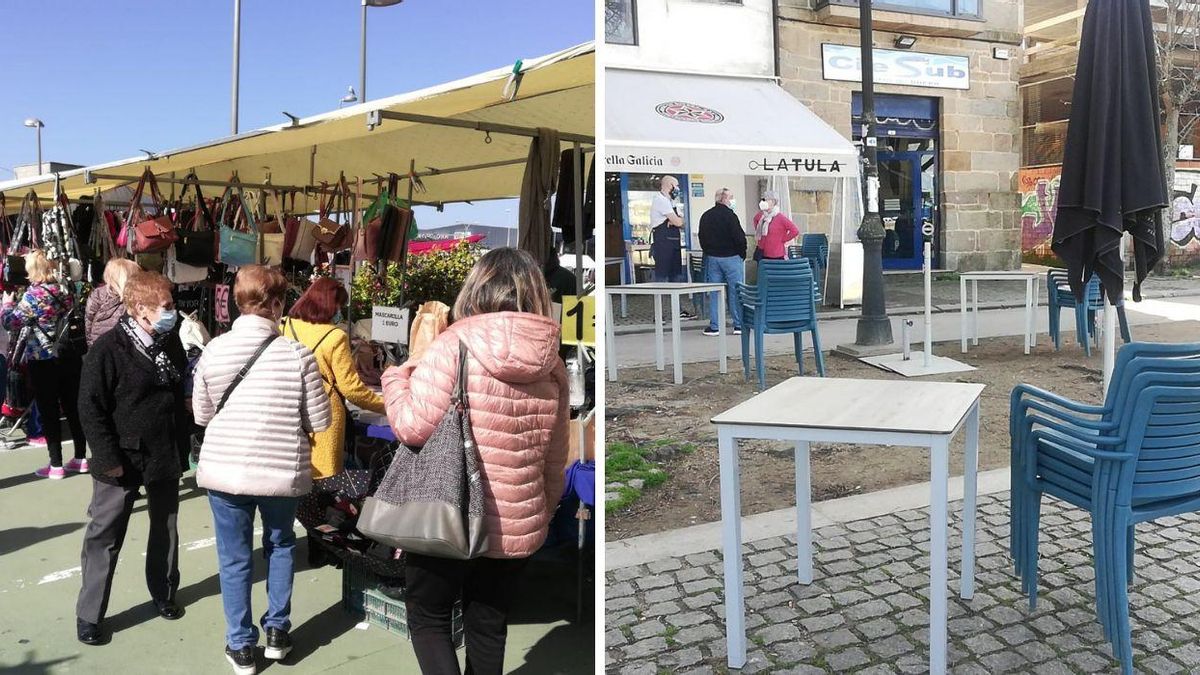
<point x="578" y="159"/>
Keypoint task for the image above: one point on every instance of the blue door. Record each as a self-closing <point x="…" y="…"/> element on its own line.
<point x="905" y="202"/>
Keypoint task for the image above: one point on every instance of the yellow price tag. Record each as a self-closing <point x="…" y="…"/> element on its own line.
<point x="579" y="320"/>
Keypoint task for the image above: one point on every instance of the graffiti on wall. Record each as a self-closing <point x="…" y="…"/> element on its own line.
<point x="1039" y="201"/>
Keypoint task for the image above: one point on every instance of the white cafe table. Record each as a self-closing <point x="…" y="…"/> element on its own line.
<point x="620" y="264"/>
<point x="877" y="412"/>
<point x="655" y="290"/>
<point x="1031" y="302"/>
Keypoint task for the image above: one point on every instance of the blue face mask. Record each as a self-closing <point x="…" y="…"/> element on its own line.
<point x="166" y="321"/>
<point x="337" y="318"/>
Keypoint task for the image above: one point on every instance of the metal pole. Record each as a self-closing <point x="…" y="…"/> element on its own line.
<point x="237" y="59"/>
<point x="928" y="302"/>
<point x="39" y="139"/>
<point x="362" y="58"/>
<point x="874" y="327"/>
<point x="577" y="158"/>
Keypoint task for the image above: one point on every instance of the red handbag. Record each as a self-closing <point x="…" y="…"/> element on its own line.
<point x="149" y="235"/>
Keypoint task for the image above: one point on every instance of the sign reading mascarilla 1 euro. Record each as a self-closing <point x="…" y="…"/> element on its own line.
<point x="579" y="320"/>
<point x="389" y="324"/>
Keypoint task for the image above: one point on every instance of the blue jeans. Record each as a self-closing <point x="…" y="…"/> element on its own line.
<point x="730" y="271"/>
<point x="233" y="520"/>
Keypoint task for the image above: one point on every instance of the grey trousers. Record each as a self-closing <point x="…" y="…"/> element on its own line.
<point x="110" y="510"/>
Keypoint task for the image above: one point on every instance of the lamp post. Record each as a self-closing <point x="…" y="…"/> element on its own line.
<point x="362" y="52"/>
<point x="349" y="98"/>
<point x="874" y="327"/>
<point x="35" y="123"/>
<point x="237" y="59"/>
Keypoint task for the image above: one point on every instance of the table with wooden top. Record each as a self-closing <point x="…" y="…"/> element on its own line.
<point x="808" y="410"/>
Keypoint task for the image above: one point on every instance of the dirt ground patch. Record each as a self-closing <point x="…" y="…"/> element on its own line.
<point x="644" y="407"/>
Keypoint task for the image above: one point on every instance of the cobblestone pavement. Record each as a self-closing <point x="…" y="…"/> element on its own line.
<point x="867" y="609"/>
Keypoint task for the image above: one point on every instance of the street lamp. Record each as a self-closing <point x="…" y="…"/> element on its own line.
<point x="874" y="327"/>
<point x="362" y="53"/>
<point x="35" y="123"/>
<point x="349" y="98"/>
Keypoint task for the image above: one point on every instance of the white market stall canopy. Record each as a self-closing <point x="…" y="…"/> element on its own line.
<point x="671" y="122"/>
<point x="464" y="139"/>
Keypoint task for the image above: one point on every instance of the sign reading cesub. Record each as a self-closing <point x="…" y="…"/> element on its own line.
<point x="913" y="69"/>
<point x="389" y="324"/>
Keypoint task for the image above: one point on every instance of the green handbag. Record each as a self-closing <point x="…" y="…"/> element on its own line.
<point x="238" y="247"/>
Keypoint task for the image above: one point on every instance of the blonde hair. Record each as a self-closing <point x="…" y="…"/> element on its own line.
<point x="504" y="280"/>
<point x="39" y="268"/>
<point x="149" y="289"/>
<point x="117" y="272"/>
<point x="257" y="287"/>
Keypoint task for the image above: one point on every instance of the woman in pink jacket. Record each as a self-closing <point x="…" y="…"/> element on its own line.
<point x="772" y="229"/>
<point x="517" y="388"/>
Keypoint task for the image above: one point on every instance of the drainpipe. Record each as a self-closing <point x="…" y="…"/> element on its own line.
<point x="775" y="33"/>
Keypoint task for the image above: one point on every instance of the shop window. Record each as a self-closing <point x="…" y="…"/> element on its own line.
<point x="964" y="8"/>
<point x="620" y="22"/>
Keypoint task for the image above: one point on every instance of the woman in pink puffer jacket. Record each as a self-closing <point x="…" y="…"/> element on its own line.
<point x="518" y="397"/>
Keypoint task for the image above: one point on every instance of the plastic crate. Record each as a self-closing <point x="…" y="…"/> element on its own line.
<point x="356" y="581"/>
<point x="391" y="615"/>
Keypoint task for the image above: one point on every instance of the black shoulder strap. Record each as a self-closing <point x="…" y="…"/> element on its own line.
<point x="244" y="371"/>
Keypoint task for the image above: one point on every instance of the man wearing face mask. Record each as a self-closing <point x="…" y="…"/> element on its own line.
<point x="131" y="404"/>
<point x="772" y="228"/>
<point x="667" y="236"/>
<point x="724" y="243"/>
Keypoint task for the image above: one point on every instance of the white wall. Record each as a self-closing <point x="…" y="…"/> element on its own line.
<point x="706" y="36"/>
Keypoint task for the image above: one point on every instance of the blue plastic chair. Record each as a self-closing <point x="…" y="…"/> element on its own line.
<point x="1134" y="459"/>
<point x="784" y="301"/>
<point x="814" y="247"/>
<point x="1060" y="297"/>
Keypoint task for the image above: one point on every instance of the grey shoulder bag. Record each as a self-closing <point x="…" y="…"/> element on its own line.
<point x="430" y="501"/>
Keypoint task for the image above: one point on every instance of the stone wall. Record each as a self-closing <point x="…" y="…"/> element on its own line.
<point x="980" y="132"/>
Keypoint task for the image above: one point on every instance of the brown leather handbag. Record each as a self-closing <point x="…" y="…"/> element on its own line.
<point x="330" y="234"/>
<point x="150" y="235"/>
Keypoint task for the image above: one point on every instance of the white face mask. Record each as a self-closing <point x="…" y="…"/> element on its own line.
<point x="733" y="204"/>
<point x="764" y="205"/>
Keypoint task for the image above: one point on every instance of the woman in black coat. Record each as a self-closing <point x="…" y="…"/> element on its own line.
<point x="132" y="407"/>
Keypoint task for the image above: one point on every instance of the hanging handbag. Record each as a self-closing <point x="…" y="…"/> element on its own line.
<point x="430" y="501"/>
<point x="238" y="247"/>
<point x="330" y="234"/>
<point x="272" y="242"/>
<point x="300" y="231"/>
<point x="14" y="260"/>
<point x="149" y="235"/>
<point x="197" y="243"/>
<point x="100" y="243"/>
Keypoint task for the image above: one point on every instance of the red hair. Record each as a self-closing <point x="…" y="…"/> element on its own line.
<point x="320" y="302"/>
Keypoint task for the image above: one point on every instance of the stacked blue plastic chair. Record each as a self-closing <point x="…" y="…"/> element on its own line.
<point x="814" y="248"/>
<point x="794" y="253"/>
<point x="1060" y="297"/>
<point x="1132" y="459"/>
<point x="784" y="301"/>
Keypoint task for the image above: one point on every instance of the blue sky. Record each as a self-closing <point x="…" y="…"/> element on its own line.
<point x="157" y="75"/>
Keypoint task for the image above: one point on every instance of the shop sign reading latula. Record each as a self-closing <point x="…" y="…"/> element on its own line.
<point x="795" y="165"/>
<point x="914" y="69"/>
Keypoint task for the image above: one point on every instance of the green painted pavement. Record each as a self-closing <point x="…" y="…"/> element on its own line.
<point x="40" y="539"/>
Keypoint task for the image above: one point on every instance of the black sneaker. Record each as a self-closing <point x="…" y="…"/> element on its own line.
<point x="242" y="660"/>
<point x="712" y="332"/>
<point x="687" y="315"/>
<point x="279" y="643"/>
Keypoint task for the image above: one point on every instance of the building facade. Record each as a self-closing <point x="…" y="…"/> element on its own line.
<point x="949" y="118"/>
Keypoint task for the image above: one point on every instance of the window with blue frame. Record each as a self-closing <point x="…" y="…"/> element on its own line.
<point x="964" y="8"/>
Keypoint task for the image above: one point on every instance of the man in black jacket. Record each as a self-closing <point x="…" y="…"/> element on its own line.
<point x="724" y="244"/>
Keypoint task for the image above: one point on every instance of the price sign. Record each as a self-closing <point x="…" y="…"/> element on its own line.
<point x="389" y="324"/>
<point x="222" y="303"/>
<point x="579" y="320"/>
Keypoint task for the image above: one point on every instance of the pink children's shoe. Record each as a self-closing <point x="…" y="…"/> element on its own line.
<point x="76" y="466"/>
<point x="36" y="441"/>
<point x="51" y="472"/>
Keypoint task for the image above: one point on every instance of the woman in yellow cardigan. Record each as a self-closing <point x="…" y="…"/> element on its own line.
<point x="311" y="323"/>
